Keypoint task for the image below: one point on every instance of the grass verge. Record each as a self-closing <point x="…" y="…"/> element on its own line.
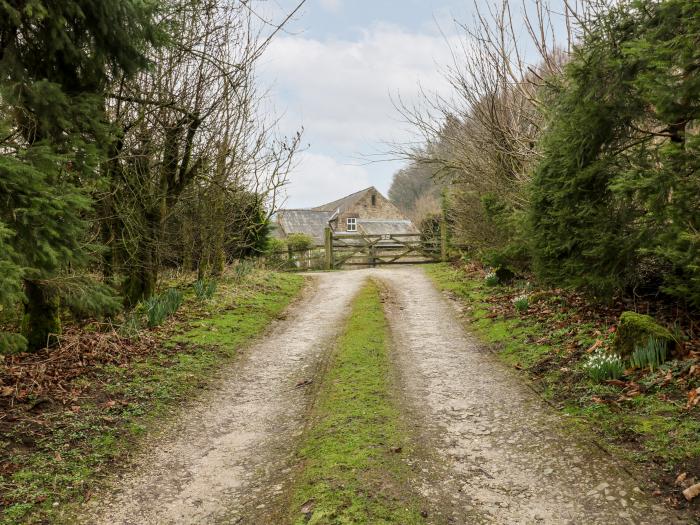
<point x="351" y="453"/>
<point x="52" y="456"/>
<point x="644" y="417"/>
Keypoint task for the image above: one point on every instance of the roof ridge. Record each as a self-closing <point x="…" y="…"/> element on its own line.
<point x="383" y="220"/>
<point x="302" y="209"/>
<point x="343" y="200"/>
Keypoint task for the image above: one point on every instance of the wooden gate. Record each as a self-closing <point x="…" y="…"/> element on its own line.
<point x="358" y="249"/>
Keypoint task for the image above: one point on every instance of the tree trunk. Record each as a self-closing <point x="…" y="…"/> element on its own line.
<point x="143" y="274"/>
<point x="108" y="234"/>
<point x="216" y="246"/>
<point x="141" y="281"/>
<point x="41" y="324"/>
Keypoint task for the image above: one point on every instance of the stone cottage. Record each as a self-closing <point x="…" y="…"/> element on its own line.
<point x="364" y="212"/>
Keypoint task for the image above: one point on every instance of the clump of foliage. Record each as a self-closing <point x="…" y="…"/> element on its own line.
<point x="274" y="246"/>
<point x="204" y="289"/>
<point x="491" y="279"/>
<point x="299" y="242"/>
<point x="651" y="355"/>
<point x="521" y="303"/>
<point x="242" y="269"/>
<point x="159" y="307"/>
<point x="603" y="365"/>
<point x="616" y="197"/>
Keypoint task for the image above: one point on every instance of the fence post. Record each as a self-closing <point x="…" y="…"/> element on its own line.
<point x="443" y="239"/>
<point x="328" y="237"/>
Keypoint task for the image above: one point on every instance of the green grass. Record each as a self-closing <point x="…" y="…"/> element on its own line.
<point x="653" y="429"/>
<point x="59" y="470"/>
<point x="351" y="454"/>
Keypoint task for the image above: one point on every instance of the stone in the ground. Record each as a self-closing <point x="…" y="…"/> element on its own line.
<point x="505" y="275"/>
<point x="635" y="330"/>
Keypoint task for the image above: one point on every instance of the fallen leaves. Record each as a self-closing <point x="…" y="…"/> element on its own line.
<point x="7" y="391"/>
<point x="692" y="492"/>
<point x="598" y="343"/>
<point x="693" y="398"/>
<point x="617" y="382"/>
<point x="667" y="379"/>
<point x="50" y="373"/>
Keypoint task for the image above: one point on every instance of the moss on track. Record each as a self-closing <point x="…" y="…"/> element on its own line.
<point x="351" y="457"/>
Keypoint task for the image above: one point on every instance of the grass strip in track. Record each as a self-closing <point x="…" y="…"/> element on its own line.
<point x="352" y="467"/>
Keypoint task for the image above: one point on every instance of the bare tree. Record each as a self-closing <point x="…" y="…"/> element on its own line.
<point x="483" y="139"/>
<point x="190" y="129"/>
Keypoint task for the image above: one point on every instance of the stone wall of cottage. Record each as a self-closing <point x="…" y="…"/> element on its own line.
<point x="367" y="208"/>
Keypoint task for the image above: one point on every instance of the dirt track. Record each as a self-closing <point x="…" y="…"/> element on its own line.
<point x="508" y="457"/>
<point x="498" y="453"/>
<point x="225" y="454"/>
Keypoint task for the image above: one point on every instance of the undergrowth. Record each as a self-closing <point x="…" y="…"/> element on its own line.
<point x="53" y="453"/>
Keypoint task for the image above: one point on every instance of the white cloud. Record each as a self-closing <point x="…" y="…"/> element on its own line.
<point x="340" y="91"/>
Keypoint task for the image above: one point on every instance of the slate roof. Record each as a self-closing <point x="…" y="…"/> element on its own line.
<point x="385" y="226"/>
<point x="309" y="222"/>
<point x="344" y="203"/>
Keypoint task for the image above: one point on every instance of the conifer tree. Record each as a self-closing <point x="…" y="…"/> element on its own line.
<point x="56" y="63"/>
<point x="616" y="198"/>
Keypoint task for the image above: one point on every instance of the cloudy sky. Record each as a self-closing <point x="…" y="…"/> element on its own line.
<point x="335" y="70"/>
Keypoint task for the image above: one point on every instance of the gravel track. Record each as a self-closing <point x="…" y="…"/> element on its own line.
<point x="489" y="449"/>
<point x="227" y="454"/>
<point x="506" y="456"/>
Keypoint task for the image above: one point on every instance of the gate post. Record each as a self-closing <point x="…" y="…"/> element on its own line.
<point x="328" y="238"/>
<point x="443" y="239"/>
